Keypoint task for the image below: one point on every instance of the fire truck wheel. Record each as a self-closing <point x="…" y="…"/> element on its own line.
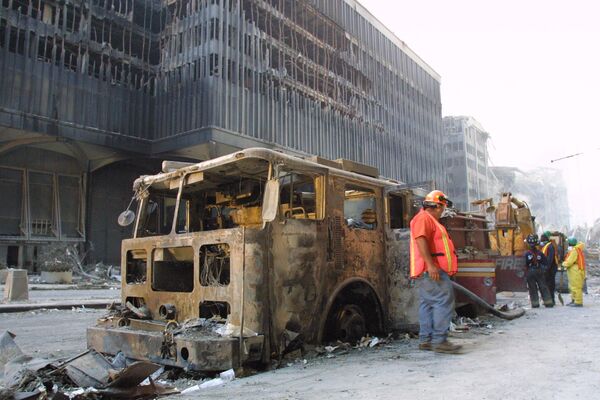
<point x="350" y="324"/>
<point x="355" y="311"/>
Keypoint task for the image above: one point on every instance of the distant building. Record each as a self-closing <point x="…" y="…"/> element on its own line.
<point x="543" y="189"/>
<point x="466" y="158"/>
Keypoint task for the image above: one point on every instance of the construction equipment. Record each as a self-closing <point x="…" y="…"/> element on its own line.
<point x="513" y="223"/>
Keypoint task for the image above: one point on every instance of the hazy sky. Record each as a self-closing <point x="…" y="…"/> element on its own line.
<point x="528" y="71"/>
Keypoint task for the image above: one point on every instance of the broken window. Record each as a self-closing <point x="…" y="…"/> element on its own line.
<point x="397" y="206"/>
<point x="11" y="207"/>
<point x="224" y="197"/>
<point x="157" y="213"/>
<point x="41" y="204"/>
<point x="173" y="269"/>
<point x="70" y="206"/>
<point x="360" y="207"/>
<point x="298" y="196"/>
<point x="215" y="264"/>
<point x="215" y="309"/>
<point x="136" y="268"/>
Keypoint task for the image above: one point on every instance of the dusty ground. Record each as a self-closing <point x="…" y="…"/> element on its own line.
<point x="36" y="296"/>
<point x="50" y="333"/>
<point x="548" y="354"/>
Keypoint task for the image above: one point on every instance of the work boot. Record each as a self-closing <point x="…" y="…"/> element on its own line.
<point x="447" y="347"/>
<point x="574" y="305"/>
<point x="548" y="305"/>
<point x="535" y="306"/>
<point x="425" y="346"/>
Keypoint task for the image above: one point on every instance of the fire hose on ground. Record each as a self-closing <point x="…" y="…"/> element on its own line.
<point x="509" y="315"/>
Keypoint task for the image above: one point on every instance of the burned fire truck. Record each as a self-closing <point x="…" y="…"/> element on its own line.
<point x="234" y="259"/>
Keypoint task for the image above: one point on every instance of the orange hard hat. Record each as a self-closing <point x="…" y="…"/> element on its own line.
<point x="437" y="197"/>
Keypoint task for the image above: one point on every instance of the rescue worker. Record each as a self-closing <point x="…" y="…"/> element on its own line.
<point x="550" y="250"/>
<point x="433" y="261"/>
<point x="537" y="264"/>
<point x="575" y="265"/>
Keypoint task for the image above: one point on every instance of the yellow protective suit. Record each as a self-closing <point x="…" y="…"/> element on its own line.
<point x="575" y="265"/>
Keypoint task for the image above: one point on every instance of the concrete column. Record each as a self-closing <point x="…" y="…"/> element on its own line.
<point x="21" y="257"/>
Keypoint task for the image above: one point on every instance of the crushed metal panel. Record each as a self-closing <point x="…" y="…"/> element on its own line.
<point x="90" y="370"/>
<point x="8" y="349"/>
<point x="133" y="374"/>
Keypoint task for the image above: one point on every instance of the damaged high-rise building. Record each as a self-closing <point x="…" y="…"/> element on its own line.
<point x="96" y="92"/>
<point x="467" y="162"/>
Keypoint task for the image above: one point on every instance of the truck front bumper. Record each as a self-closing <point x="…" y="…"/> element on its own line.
<point x="188" y="350"/>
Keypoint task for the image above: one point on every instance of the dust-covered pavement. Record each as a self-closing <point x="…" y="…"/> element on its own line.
<point x="38" y="296"/>
<point x="547" y="354"/>
<point x="51" y="333"/>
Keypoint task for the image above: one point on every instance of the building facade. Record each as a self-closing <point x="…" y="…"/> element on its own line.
<point x="467" y="162"/>
<point x="96" y="92"/>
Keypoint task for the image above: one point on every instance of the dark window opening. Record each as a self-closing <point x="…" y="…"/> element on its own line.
<point x="215" y="309"/>
<point x="157" y="214"/>
<point x="42" y="195"/>
<point x="397" y="220"/>
<point x="215" y="264"/>
<point x="173" y="269"/>
<point x="137" y="302"/>
<point x="136" y="268"/>
<point x="11" y="209"/>
<point x="12" y="256"/>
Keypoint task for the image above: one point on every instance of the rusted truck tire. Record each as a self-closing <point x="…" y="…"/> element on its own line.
<point x="355" y="312"/>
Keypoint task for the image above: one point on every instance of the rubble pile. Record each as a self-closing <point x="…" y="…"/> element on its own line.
<point x="60" y="257"/>
<point x="88" y="375"/>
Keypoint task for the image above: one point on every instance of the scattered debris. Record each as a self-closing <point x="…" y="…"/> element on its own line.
<point x="230" y="329"/>
<point x="140" y="312"/>
<point x="119" y="361"/>
<point x="223" y="377"/>
<point x="507" y="307"/>
<point x="368" y="341"/>
<point x="88" y="375"/>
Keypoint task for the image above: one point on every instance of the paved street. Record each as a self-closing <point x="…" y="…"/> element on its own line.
<point x="548" y="354"/>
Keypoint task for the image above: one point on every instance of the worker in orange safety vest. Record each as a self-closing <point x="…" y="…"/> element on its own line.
<point x="432" y="262"/>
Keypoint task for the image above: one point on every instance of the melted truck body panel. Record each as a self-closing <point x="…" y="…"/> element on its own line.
<point x="208" y="285"/>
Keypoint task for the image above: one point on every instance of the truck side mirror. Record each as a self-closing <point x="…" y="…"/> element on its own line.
<point x="126" y="218"/>
<point x="270" y="200"/>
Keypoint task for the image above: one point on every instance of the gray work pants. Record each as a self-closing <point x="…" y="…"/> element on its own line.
<point x="436" y="307"/>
